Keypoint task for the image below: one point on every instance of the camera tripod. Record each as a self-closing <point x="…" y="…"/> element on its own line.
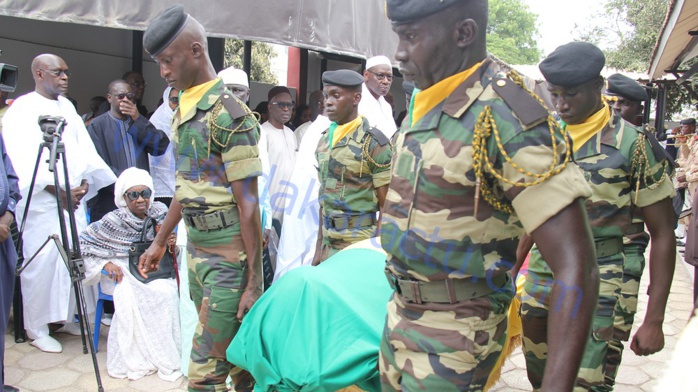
<point x="68" y="247"/>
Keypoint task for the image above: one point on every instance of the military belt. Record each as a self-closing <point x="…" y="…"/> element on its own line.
<point x="344" y="222"/>
<point x="608" y="247"/>
<point x="213" y="220"/>
<point x="448" y="291"/>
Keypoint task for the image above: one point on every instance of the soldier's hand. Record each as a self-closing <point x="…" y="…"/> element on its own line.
<point x="150" y="259"/>
<point x="249" y="297"/>
<point x="648" y="339"/>
<point x="317" y="259"/>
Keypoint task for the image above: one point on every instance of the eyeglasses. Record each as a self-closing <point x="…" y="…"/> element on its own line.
<point x="130" y="96"/>
<point x="284" y="105"/>
<point x="138" y="83"/>
<point x="381" y="76"/>
<point x="174" y="100"/>
<point x="133" y="195"/>
<point x="58" y="72"/>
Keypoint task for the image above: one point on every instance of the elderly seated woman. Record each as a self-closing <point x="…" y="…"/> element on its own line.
<point x="144" y="336"/>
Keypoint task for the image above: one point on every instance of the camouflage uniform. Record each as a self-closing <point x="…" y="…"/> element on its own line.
<point x="213" y="149"/>
<point x="609" y="163"/>
<point x="433" y="232"/>
<point x="634" y="244"/>
<point x="348" y="183"/>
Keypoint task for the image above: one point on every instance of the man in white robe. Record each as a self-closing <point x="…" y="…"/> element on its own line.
<point x="301" y="223"/>
<point x="280" y="146"/>
<point x="378" y="77"/>
<point x="46" y="285"/>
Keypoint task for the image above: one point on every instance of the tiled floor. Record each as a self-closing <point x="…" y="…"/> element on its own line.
<point x="32" y="370"/>
<point x="636" y="373"/>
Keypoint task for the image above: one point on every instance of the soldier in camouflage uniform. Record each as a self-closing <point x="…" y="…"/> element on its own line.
<point x="627" y="98"/>
<point x="478" y="162"/>
<point x="625" y="175"/>
<point x="216" y="152"/>
<point x="353" y="168"/>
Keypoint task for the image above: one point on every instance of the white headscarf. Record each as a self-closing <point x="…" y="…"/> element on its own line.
<point x="129" y="178"/>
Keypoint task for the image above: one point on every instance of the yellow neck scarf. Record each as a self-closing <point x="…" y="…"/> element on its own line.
<point x="191" y="96"/>
<point x="581" y="133"/>
<point x="426" y="100"/>
<point x="339" y="132"/>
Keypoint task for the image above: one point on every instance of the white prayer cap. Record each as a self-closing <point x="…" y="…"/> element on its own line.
<point x="232" y="75"/>
<point x="378" y="60"/>
<point x="129" y="178"/>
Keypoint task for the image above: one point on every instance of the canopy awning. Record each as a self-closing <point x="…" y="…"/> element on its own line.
<point x="678" y="40"/>
<point x="357" y="28"/>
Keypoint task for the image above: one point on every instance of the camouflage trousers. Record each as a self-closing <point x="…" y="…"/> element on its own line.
<point x="216" y="275"/>
<point x="625" y="308"/>
<point x="441" y="347"/>
<point x="535" y="307"/>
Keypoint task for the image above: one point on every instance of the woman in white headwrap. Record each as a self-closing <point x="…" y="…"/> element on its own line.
<point x="144" y="336"/>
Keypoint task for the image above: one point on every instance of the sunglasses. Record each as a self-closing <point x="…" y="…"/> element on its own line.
<point x="381" y="76"/>
<point x="138" y="83"/>
<point x="58" y="72"/>
<point x="133" y="195"/>
<point x="174" y="100"/>
<point x="283" y="105"/>
<point x="130" y="96"/>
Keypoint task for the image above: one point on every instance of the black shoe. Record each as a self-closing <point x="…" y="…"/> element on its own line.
<point x="9" y="388"/>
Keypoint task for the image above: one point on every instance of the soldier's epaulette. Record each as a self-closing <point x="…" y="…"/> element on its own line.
<point x="379" y="136"/>
<point x="526" y="107"/>
<point x="233" y="106"/>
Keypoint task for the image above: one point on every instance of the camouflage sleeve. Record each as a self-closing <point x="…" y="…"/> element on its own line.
<point x="380" y="170"/>
<point x="240" y="151"/>
<point x="654" y="176"/>
<point x="531" y="154"/>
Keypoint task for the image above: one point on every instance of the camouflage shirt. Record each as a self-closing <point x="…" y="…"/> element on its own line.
<point x="429" y="228"/>
<point x="212" y="150"/>
<point x="348" y="182"/>
<point x="607" y="160"/>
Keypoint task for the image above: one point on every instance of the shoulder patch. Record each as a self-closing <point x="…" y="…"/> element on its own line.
<point x="525" y="106"/>
<point x="233" y="105"/>
<point x="379" y="136"/>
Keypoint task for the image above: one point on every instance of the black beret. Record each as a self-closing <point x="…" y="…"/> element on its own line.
<point x="688" y="121"/>
<point x="407" y="87"/>
<point x="276" y="90"/>
<point x="400" y="11"/>
<point x="164" y="29"/>
<point x="342" y="78"/>
<point x="573" y="64"/>
<point x="622" y="86"/>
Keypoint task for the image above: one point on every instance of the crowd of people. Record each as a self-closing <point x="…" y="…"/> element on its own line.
<point x="479" y="181"/>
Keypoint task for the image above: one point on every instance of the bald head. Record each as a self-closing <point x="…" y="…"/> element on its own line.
<point x="50" y="75"/>
<point x="316" y="103"/>
<point x="194" y="32"/>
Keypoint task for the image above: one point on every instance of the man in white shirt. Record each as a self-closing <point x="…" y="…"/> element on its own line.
<point x="46" y="288"/>
<point x="378" y="77"/>
<point x="280" y="144"/>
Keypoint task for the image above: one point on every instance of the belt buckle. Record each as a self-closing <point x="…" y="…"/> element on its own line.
<point x="409" y="288"/>
<point x="201" y="222"/>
